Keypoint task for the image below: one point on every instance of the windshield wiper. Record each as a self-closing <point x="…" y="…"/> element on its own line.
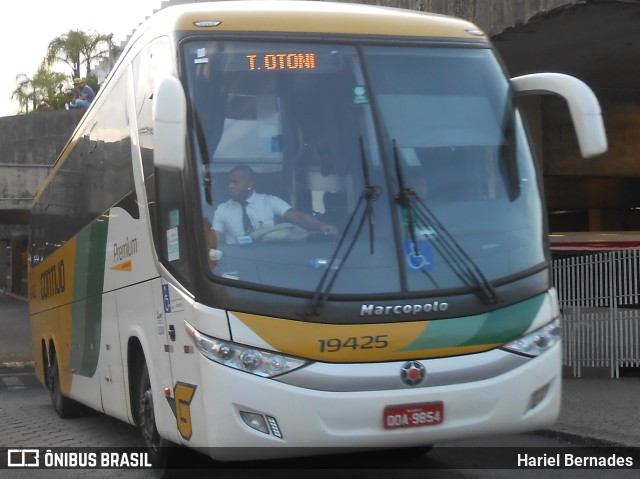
<point x="333" y="268"/>
<point x="370" y="194"/>
<point x="417" y="213"/>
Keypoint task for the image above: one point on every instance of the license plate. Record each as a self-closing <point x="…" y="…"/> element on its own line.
<point x="413" y="415"/>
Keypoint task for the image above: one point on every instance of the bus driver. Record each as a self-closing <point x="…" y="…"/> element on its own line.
<point x="247" y="211"/>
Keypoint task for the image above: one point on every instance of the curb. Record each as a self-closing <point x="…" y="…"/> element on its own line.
<point x="580" y="440"/>
<point x="17" y="365"/>
<point x="15" y="296"/>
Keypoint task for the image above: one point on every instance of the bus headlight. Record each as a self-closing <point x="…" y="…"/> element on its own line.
<point x="244" y="358"/>
<point x="538" y="341"/>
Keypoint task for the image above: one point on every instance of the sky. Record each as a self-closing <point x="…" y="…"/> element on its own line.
<point x="27" y="27"/>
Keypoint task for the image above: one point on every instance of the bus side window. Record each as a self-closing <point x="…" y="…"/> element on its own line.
<point x="164" y="189"/>
<point x="172" y="237"/>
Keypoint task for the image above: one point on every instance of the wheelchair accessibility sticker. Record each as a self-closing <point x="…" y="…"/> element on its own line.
<point x="419" y="258"/>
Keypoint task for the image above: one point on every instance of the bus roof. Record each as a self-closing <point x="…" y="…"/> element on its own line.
<point x="310" y="17"/>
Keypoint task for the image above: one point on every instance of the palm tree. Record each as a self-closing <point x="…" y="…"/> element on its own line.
<point x="24" y="92"/>
<point x="67" y="48"/>
<point x="95" y="48"/>
<point x="43" y="91"/>
<point x="76" y="48"/>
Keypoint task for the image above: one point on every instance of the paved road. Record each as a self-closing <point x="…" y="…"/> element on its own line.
<point x="591" y="408"/>
<point x="15" y="331"/>
<point x="27" y="420"/>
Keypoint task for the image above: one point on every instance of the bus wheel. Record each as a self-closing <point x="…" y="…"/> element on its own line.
<point x="157" y="447"/>
<point x="64" y="406"/>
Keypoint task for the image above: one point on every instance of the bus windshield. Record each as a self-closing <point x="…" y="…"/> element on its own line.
<point x="360" y="169"/>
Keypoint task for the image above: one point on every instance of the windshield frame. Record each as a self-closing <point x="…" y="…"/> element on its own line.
<point x="391" y="181"/>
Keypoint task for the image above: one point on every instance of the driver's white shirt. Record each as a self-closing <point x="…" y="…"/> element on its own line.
<point x="262" y="211"/>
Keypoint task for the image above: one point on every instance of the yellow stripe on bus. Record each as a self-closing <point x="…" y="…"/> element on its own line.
<point x="336" y="342"/>
<point x="124" y="266"/>
<point x="368" y="342"/>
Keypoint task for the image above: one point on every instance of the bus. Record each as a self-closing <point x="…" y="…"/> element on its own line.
<point x="400" y="298"/>
<point x="578" y="243"/>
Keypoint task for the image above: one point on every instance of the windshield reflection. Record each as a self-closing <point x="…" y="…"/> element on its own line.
<point x="291" y="162"/>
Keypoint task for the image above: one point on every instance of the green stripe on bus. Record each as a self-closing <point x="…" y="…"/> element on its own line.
<point x="495" y="327"/>
<point x="87" y="294"/>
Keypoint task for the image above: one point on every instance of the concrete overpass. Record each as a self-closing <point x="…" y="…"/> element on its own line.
<point x="599" y="42"/>
<point x="595" y="40"/>
<point x="29" y="145"/>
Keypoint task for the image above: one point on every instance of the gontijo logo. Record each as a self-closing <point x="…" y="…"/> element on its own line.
<point x="52" y="280"/>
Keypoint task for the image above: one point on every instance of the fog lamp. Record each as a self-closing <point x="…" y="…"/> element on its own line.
<point x="537" y="397"/>
<point x="255" y="421"/>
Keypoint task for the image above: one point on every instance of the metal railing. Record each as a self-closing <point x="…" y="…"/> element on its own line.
<point x="600" y="300"/>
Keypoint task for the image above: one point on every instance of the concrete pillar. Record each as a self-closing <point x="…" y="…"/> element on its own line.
<point x="595" y="219"/>
<point x="4" y="265"/>
<point x="18" y="267"/>
<point x="533" y="111"/>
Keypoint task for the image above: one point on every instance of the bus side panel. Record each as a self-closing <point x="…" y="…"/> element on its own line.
<point x="63" y="344"/>
<point x="129" y="252"/>
<point x="51" y="295"/>
<point x="65" y="294"/>
<point x="113" y="384"/>
<point x="54" y="328"/>
<point x="129" y="308"/>
<point x="141" y="316"/>
<point x="186" y="402"/>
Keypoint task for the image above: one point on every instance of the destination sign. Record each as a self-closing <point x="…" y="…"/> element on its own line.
<point x="281" y="61"/>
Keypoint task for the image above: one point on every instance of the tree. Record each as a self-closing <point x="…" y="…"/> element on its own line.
<point x="96" y="48"/>
<point x="48" y="86"/>
<point x="67" y="48"/>
<point x="76" y="48"/>
<point x="44" y="91"/>
<point x="24" y="92"/>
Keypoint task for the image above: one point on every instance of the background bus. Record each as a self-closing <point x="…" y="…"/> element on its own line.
<point x="589" y="242"/>
<point x="403" y="134"/>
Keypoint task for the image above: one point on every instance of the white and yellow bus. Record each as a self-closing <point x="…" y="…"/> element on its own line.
<point x="428" y="317"/>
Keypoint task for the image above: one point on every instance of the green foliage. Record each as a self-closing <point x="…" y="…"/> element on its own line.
<point x="44" y="91"/>
<point x="49" y="90"/>
<point x="23" y="92"/>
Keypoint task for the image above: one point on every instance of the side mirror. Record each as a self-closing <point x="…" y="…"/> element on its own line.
<point x="169" y="124"/>
<point x="583" y="106"/>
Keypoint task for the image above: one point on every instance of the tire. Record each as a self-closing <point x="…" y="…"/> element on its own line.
<point x="157" y="447"/>
<point x="64" y="406"/>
